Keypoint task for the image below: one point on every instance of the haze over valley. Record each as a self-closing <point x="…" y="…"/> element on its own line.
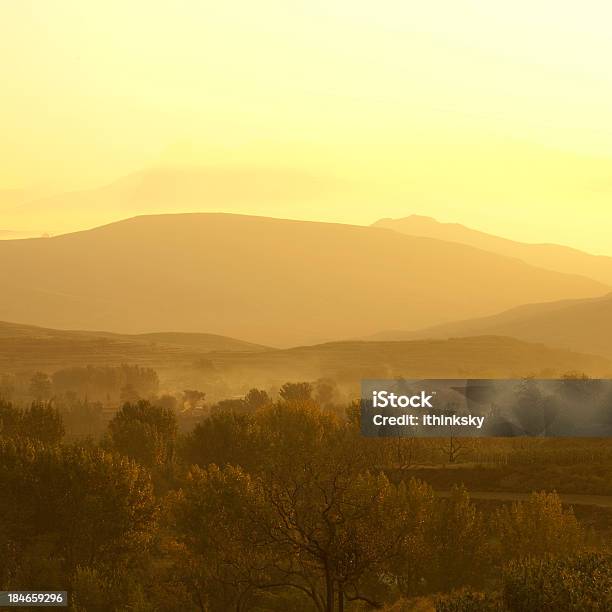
<point x="220" y="299"/>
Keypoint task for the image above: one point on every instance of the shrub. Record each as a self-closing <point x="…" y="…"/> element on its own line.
<point x="469" y="601"/>
<point x="576" y="583"/>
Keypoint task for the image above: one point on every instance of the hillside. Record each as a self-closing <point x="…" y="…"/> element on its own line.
<point x="28" y="348"/>
<point x="484" y="356"/>
<point x="268" y="281"/>
<point x="548" y="256"/>
<point x="194" y="341"/>
<point x="580" y="325"/>
<point x="345" y="362"/>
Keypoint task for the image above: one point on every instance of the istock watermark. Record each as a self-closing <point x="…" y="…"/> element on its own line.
<point x="580" y="407"/>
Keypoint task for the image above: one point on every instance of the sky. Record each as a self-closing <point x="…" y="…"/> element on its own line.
<point x="496" y="115"/>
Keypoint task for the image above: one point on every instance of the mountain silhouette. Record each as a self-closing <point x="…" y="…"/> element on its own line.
<point x="580" y="325"/>
<point x="269" y="281"/>
<point x="548" y="256"/>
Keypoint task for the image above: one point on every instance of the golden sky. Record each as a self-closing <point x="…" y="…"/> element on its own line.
<point x="497" y="115"/>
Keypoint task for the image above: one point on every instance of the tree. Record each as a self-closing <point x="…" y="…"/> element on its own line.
<point x="66" y="507"/>
<point x="226" y="552"/>
<point x="256" y="398"/>
<point x="242" y="538"/>
<point x="575" y="583"/>
<point x="82" y="418"/>
<point x="302" y="513"/>
<point x="10" y="420"/>
<point x="143" y="432"/>
<point x="537" y="526"/>
<point x="235" y="405"/>
<point x="454" y="446"/>
<point x="325" y="392"/>
<point x="42" y="421"/>
<point x="125" y="382"/>
<point x="458" y="540"/>
<point x="296" y="392"/>
<point x="534" y="411"/>
<point x="40" y="386"/>
<point x="193" y="397"/>
<point x="224" y="438"/>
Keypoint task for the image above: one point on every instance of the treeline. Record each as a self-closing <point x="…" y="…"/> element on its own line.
<point x="266" y="505"/>
<point x="94" y="383"/>
<point x="41" y="422"/>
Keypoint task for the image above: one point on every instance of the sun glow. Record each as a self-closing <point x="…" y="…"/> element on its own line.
<point x="495" y="115"/>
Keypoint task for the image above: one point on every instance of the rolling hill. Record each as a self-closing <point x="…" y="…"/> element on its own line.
<point x="196" y="341"/>
<point x="483" y="356"/>
<point x="268" y="281"/>
<point x="580" y="325"/>
<point x="548" y="256"/>
<point x="27" y="349"/>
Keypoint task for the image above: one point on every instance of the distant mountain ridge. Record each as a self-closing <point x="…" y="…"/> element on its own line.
<point x="579" y="325"/>
<point x="197" y="341"/>
<point x="265" y="280"/>
<point x="549" y="256"/>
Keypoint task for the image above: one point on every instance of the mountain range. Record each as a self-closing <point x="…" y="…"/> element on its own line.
<point x="269" y="281"/>
<point x="579" y="325"/>
<point x="549" y="256"/>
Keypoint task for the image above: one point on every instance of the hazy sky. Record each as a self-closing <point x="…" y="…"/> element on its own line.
<point x="497" y="115"/>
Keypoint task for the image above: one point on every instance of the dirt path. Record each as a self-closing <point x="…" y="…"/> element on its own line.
<point x="571" y="499"/>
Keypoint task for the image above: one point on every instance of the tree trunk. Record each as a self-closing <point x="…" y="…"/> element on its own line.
<point x="329" y="590"/>
<point x="340" y="598"/>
